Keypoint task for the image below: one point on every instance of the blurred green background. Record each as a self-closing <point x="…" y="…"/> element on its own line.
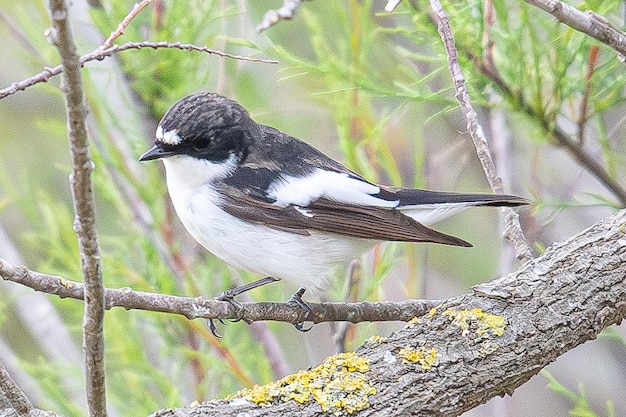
<point x="370" y="89"/>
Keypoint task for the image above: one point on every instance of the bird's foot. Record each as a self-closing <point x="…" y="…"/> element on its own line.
<point x="296" y="299"/>
<point x="213" y="328"/>
<point x="230" y="294"/>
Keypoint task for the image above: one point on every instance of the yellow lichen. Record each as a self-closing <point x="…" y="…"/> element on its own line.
<point x="432" y="312"/>
<point x="338" y="385"/>
<point x="67" y="284"/>
<point x="413" y="322"/>
<point x="487" y="347"/>
<point x="425" y="358"/>
<point x="377" y="339"/>
<point x="490" y="324"/>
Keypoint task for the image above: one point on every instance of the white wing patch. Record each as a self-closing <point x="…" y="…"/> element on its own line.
<point x="335" y="186"/>
<point x="303" y="211"/>
<point x="169" y="137"/>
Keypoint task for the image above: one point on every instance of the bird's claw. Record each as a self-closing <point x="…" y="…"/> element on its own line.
<point x="296" y="299"/>
<point x="213" y="327"/>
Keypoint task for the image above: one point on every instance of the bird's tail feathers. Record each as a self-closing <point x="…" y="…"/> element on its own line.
<point x="429" y="207"/>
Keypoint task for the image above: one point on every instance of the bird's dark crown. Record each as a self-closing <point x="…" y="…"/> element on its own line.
<point x="206" y="126"/>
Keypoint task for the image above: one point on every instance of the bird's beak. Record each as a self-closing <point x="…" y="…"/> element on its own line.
<point x="156" y="152"/>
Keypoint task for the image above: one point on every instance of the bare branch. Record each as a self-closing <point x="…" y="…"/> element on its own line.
<point x="196" y="308"/>
<point x="13" y="401"/>
<point x="84" y="209"/>
<point x="100" y="54"/>
<point x="513" y="231"/>
<point x="589" y="22"/>
<point x="137" y="8"/>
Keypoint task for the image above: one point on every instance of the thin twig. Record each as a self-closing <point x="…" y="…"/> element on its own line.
<point x="513" y="231"/>
<point x="124" y="24"/>
<point x="100" y="54"/>
<point x="272" y="17"/>
<point x="84" y="209"/>
<point x="196" y="308"/>
<point x="588" y="22"/>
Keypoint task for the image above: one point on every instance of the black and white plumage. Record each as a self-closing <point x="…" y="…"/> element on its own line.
<point x="267" y="202"/>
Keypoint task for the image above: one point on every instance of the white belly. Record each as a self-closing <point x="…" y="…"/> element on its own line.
<point x="306" y="261"/>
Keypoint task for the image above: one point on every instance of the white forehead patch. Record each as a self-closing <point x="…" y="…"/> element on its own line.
<point x="169" y="137"/>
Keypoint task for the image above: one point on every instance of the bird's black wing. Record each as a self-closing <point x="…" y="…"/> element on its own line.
<point x="327" y="216"/>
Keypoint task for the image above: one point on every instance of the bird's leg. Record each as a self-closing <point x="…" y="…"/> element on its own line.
<point x="230" y="294"/>
<point x="297" y="300"/>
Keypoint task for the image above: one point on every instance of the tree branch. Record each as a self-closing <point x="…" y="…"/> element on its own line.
<point x="469" y="349"/>
<point x="13" y="401"/>
<point x="197" y="308"/>
<point x="84" y="209"/>
<point x="137" y="8"/>
<point x="100" y="54"/>
<point x="588" y="22"/>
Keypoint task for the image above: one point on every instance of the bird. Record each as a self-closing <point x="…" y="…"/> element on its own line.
<point x="264" y="201"/>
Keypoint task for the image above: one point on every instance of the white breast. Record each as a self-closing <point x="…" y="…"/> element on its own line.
<point x="306" y="261"/>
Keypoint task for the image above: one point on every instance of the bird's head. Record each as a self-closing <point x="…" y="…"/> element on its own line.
<point x="204" y="126"/>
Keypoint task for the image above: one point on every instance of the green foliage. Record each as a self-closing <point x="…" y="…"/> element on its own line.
<point x="54" y="380"/>
<point x="580" y="405"/>
<point x="544" y="70"/>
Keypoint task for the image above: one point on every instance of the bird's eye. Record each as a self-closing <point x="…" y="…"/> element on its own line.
<point x="201" y="145"/>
